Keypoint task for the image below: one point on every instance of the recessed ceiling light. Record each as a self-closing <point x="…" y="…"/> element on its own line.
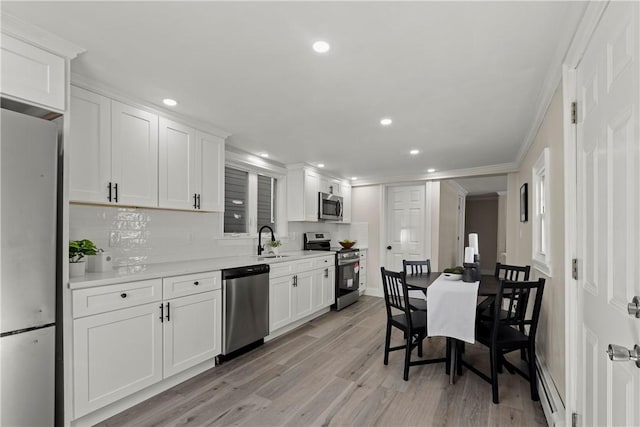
<point x="386" y="121"/>
<point x="321" y="46"/>
<point x="431" y="170"/>
<point x="170" y="102"/>
<point x="414" y="152"/>
<point x="353" y="178"/>
<point x="320" y="165"/>
<point x="265" y="155"/>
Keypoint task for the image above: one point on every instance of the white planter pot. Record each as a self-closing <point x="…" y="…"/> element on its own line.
<point x="274" y="250"/>
<point x="77" y="269"/>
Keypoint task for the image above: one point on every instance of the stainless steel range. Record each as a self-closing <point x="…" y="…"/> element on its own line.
<point x="347" y="268"/>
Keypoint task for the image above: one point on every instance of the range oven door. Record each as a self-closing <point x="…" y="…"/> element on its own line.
<point x="329" y="207"/>
<point x="348" y="276"/>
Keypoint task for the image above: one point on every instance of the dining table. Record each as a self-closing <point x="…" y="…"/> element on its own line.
<point x="488" y="288"/>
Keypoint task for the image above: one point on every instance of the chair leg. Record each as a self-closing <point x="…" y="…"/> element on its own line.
<point x="533" y="379"/>
<point x="407" y="358"/>
<point x="495" y="357"/>
<point x="420" y="338"/>
<point x="387" y="342"/>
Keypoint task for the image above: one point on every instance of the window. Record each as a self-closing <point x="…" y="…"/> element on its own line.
<point x="541" y="220"/>
<point x="252" y="192"/>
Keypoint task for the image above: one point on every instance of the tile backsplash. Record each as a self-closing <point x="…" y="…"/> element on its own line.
<point x="137" y="236"/>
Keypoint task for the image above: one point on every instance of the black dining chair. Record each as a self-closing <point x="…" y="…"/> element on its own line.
<point x="514" y="273"/>
<point x="413" y="268"/>
<point x="400" y="315"/>
<point x="514" y="331"/>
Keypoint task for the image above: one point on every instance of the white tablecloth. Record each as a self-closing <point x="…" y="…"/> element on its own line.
<point x="451" y="309"/>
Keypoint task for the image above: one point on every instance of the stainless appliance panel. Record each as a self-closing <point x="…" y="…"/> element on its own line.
<point x="246" y="305"/>
<point x="330" y="207"/>
<point x="28" y="234"/>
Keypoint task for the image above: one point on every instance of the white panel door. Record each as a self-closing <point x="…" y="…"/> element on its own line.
<point x="192" y="331"/>
<point x="303" y="294"/>
<point x="211" y="165"/>
<point x="311" y="186"/>
<point x="115" y="354"/>
<point x="281" y="302"/>
<point x="405" y="224"/>
<point x="177" y="173"/>
<point x="608" y="221"/>
<point x="89" y="147"/>
<point x="134" y="155"/>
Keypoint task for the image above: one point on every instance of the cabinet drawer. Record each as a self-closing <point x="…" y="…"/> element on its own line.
<point x="305" y="265"/>
<point x="323" y="262"/>
<point x="114" y="297"/>
<point x="190" y="284"/>
<point x="280" y="269"/>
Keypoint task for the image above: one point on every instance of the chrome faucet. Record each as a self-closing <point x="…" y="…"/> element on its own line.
<point x="273" y="238"/>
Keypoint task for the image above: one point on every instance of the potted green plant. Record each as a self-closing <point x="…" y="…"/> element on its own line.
<point x="77" y="251"/>
<point x="274" y="245"/>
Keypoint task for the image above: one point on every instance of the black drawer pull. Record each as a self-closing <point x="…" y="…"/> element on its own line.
<point x="196" y="283"/>
<point x="123" y="295"/>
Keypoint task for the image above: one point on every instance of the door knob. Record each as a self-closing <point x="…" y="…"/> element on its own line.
<point x="618" y="353"/>
<point x="634" y="307"/>
<point x="389" y="247"/>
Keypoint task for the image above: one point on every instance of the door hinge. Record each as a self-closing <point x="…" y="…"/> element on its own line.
<point x="574" y="420"/>
<point x="574" y="113"/>
<point x="574" y="268"/>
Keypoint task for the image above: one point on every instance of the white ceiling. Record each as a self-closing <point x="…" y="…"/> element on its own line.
<point x="462" y="81"/>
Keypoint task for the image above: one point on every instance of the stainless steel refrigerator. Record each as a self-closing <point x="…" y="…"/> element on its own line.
<point x="29" y="156"/>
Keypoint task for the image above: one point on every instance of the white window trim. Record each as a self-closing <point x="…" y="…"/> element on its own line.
<point x="256" y="165"/>
<point x="541" y="259"/>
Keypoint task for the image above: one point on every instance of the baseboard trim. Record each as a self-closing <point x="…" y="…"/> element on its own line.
<point x="552" y="405"/>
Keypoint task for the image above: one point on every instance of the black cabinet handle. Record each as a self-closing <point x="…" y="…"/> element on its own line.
<point x="109" y="187"/>
<point x="161" y="313"/>
<point x="326" y="272"/>
<point x="196" y="283"/>
<point x="198" y="201"/>
<point x="115" y="186"/>
<point x="195" y="202"/>
<point x="389" y="247"/>
<point x="168" y="313"/>
<point x="123" y="295"/>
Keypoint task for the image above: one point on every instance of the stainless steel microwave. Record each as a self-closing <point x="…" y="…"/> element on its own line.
<point x="330" y="207"/>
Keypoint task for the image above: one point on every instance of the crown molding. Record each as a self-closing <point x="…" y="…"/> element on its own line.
<point x="36" y="36"/>
<point x="113" y="93"/>
<point x="460" y="190"/>
<point x="499" y="169"/>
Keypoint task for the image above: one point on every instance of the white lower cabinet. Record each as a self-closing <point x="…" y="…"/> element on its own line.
<point x="119" y="349"/>
<point x="192" y="331"/>
<point x="295" y="296"/>
<point x="115" y="354"/>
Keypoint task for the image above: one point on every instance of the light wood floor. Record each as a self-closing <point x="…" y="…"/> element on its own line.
<point x="330" y="372"/>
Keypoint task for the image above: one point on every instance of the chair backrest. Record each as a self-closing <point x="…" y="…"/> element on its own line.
<point x="395" y="290"/>
<point x="517" y="314"/>
<point x="416" y="267"/>
<point x="512" y="272"/>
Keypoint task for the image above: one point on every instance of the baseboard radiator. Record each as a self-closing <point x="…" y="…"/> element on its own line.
<point x="554" y="409"/>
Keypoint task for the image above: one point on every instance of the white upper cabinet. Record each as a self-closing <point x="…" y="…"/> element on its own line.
<point x="178" y="171"/>
<point x="134" y="155"/>
<point x="32" y="75"/>
<point x="211" y="166"/>
<point x="89" y="147"/>
<point x="191" y="174"/>
<point x="303" y="187"/>
<point x="113" y="152"/>
<point x="346" y="202"/>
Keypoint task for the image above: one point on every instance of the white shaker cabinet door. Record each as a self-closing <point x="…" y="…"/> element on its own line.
<point x="192" y="331"/>
<point x="311" y="187"/>
<point x="89" y="147"/>
<point x="281" y="302"/>
<point x="115" y="354"/>
<point x="329" y="286"/>
<point x="134" y="137"/>
<point x="346" y="203"/>
<point x="211" y="166"/>
<point x="303" y="295"/>
<point x="177" y="174"/>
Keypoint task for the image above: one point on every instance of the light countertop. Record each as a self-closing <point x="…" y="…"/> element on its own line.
<point x="168" y="269"/>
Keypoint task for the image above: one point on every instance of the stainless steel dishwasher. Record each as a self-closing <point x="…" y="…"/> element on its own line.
<point x="245" y="292"/>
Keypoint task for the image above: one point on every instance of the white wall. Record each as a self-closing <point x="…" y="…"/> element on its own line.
<point x="367" y="208"/>
<point x="551" y="331"/>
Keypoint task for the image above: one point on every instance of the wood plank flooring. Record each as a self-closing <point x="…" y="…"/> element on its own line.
<point x="329" y="372"/>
